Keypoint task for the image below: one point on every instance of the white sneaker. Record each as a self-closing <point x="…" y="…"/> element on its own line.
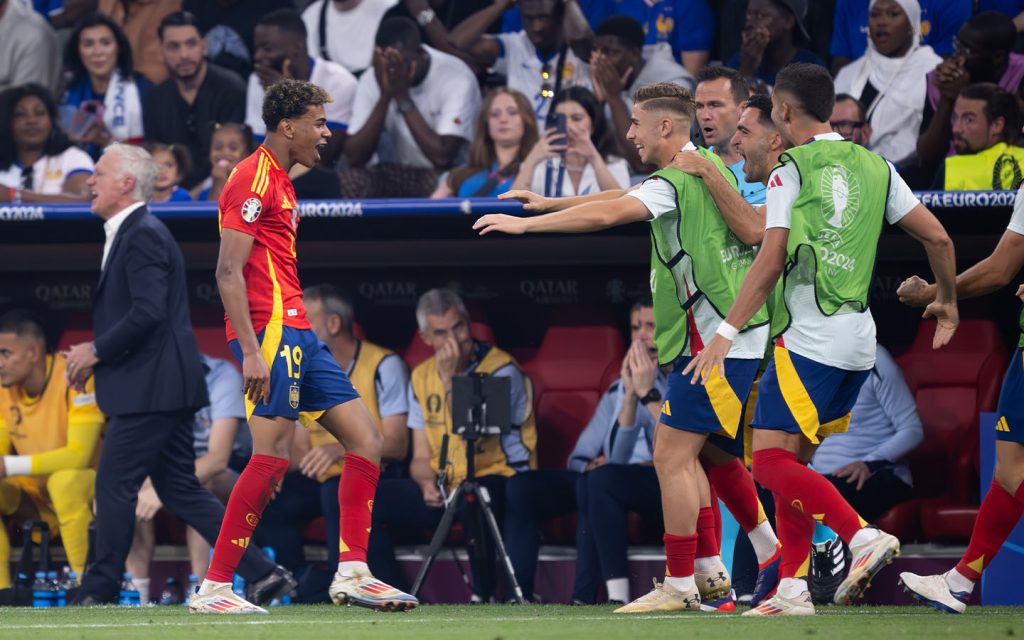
<point x="934" y="591"/>
<point x="663" y="597"/>
<point x="221" y="600"/>
<point x="779" y="606"/>
<point x="367" y="591"/>
<point x="868" y="559"/>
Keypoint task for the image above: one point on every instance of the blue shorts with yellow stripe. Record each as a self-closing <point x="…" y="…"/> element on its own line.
<point x="304" y="376"/>
<point x="715" y="408"/>
<point x="800" y="395"/>
<point x="1010" y="427"/>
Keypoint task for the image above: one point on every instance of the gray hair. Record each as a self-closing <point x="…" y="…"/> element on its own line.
<point x="437" y="302"/>
<point x="333" y="303"/>
<point x="137" y="163"/>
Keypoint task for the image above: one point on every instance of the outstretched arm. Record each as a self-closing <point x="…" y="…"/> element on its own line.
<point x="926" y="229"/>
<point x="993" y="273"/>
<point x="591" y="216"/>
<point x="745" y="221"/>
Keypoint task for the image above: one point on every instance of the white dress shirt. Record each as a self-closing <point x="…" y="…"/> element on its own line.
<point x="111" y="226"/>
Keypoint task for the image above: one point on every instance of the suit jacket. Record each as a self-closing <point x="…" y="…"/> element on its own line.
<point x="149" y="361"/>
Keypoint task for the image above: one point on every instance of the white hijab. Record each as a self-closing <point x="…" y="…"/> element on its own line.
<point x="896" y="113"/>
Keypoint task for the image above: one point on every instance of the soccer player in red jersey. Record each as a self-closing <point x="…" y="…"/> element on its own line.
<point x="286" y="370"/>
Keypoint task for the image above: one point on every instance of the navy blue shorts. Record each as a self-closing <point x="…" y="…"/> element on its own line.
<point x="715" y="408"/>
<point x="1010" y="427"/>
<point x="800" y="395"/>
<point x="304" y="376"/>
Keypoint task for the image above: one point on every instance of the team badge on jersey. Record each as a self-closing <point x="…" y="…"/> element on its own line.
<point x="251" y="209"/>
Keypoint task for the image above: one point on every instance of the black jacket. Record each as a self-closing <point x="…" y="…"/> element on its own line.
<point x="149" y="361"/>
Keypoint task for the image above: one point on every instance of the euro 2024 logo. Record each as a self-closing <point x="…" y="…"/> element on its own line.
<point x="840" y="201"/>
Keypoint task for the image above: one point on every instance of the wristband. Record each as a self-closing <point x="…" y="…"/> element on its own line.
<point x="727" y="331"/>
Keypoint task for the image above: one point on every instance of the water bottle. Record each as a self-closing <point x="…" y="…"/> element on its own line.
<point x="70" y="582"/>
<point x="58" y="596"/>
<point x="193" y="586"/>
<point x="40" y="591"/>
<point x="129" y="592"/>
<point x="171" y="593"/>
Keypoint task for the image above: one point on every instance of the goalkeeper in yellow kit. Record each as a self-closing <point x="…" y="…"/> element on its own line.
<point x="48" y="437"/>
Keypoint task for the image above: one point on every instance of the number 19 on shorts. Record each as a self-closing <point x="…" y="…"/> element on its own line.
<point x="293" y="357"/>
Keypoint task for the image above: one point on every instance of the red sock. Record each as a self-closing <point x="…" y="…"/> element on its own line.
<point x="716" y="509"/>
<point x="998" y="515"/>
<point x="679" y="554"/>
<point x="356" y="489"/>
<point x="707" y="541"/>
<point x="735" y="485"/>
<point x="808" y="491"/>
<point x="796" y="532"/>
<point x="257" y="483"/>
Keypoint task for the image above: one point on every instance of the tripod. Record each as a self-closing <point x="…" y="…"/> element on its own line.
<point x="474" y="495"/>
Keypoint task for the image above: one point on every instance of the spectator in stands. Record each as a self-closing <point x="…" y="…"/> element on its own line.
<point x="720" y="96"/>
<point x="984" y="53"/>
<point x="417" y="503"/>
<point x="619" y="66"/>
<point x="890" y="79"/>
<point x="343" y="31"/>
<point x="986" y="133"/>
<point x="684" y="29"/>
<point x="37" y="161"/>
<point x="103" y="101"/>
<point x="582" y="161"/>
<point x="940" y="21"/>
<point x="548" y="55"/>
<point x="219" y="434"/>
<point x="506" y="130"/>
<point x="49" y="437"/>
<point x="773" y="37"/>
<point x="414" y="113"/>
<point x="29" y="50"/>
<point x="605" y="478"/>
<point x="228" y="27"/>
<point x="382" y="380"/>
<point x="436" y="18"/>
<point x="183" y="109"/>
<point x="280" y="52"/>
<point x="140" y="20"/>
<point x="231" y="143"/>
<point x="172" y="163"/>
<point x="849" y="119"/>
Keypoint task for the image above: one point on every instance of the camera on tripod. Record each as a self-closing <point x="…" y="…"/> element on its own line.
<point x="481" y="406"/>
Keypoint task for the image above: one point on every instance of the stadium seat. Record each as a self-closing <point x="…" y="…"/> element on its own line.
<point x="418" y="351"/>
<point x="951" y="387"/>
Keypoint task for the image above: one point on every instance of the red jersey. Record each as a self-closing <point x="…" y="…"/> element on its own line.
<point x="259" y="200"/>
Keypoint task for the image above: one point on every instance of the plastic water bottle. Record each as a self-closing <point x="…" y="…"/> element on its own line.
<point x="129" y="592"/>
<point x="193" y="586"/>
<point x="40" y="591"/>
<point x="70" y="582"/>
<point x="171" y="593"/>
<point x="58" y="596"/>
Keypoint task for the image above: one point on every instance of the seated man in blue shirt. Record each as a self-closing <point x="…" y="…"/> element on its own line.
<point x="604" y="480"/>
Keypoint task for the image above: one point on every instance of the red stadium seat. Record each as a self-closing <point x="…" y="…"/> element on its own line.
<point x="951" y="386"/>
<point x="419" y="351"/>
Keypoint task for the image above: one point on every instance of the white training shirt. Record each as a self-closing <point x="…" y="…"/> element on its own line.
<point x="659" y="196"/>
<point x="520" y="63"/>
<point x="50" y="172"/>
<point x="1016" y="224"/>
<point x="448" y="99"/>
<point x="843" y="340"/>
<point x="618" y="167"/>
<point x="338" y="81"/>
<point x="350" y="34"/>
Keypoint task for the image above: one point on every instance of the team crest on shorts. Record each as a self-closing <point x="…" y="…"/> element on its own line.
<point x="251" y="209"/>
<point x="293" y="396"/>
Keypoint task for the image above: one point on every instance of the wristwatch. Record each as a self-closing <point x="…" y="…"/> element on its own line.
<point x="425" y="17"/>
<point x="652" y="396"/>
<point x="405" y="105"/>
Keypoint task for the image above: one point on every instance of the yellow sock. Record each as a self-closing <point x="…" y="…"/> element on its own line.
<point x="10" y="497"/>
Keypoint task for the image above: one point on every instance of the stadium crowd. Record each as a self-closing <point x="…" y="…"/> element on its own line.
<point x="446" y="98"/>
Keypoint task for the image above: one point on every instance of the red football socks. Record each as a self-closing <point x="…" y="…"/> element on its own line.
<point x="998" y="515"/>
<point x="707" y="541"/>
<point x="796" y="532"/>
<point x="805" y="490"/>
<point x="716" y="510"/>
<point x="253" y="490"/>
<point x="735" y="486"/>
<point x="679" y="555"/>
<point x="356" y="489"/>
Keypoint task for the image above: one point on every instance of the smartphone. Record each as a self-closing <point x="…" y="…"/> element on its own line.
<point x="558" y="120"/>
<point x="89" y="112"/>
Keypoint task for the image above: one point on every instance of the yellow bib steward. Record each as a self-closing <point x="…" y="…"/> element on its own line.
<point x="492" y="457"/>
<point x="999" y="167"/>
<point x="364" y="378"/>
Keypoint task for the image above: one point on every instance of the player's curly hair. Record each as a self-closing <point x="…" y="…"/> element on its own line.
<point x="665" y="96"/>
<point x="289" y="99"/>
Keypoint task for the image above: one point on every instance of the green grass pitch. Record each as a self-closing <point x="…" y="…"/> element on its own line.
<point x="503" y="622"/>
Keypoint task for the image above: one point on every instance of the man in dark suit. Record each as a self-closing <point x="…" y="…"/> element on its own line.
<point x="149" y="379"/>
